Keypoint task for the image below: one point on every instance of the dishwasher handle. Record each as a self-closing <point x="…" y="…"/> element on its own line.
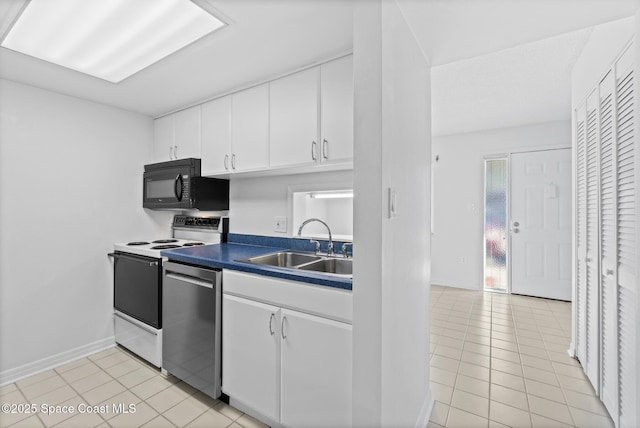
<point x="191" y="279"/>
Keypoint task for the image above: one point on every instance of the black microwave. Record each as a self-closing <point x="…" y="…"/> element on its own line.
<point x="177" y="185"/>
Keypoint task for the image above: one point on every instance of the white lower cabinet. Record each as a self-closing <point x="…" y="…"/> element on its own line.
<point x="249" y="353"/>
<point x="315" y="379"/>
<point x="282" y="365"/>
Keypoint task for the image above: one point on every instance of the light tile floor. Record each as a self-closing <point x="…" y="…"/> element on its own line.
<point x="109" y="378"/>
<point x="496" y="360"/>
<point x="501" y="360"/>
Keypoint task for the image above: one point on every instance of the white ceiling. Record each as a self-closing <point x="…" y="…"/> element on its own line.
<point x="263" y="40"/>
<point x="452" y="30"/>
<point x="526" y="84"/>
<point x="269" y="37"/>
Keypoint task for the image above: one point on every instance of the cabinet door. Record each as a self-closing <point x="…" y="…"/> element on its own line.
<point x="250" y="129"/>
<point x="336" y="90"/>
<point x="216" y="136"/>
<point x="294" y="119"/>
<point x="316" y="371"/>
<point x="163" y="139"/>
<point x="592" y="363"/>
<point x="186" y="137"/>
<point x="250" y="353"/>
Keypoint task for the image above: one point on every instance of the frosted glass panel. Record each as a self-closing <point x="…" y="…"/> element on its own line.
<point x="495" y="225"/>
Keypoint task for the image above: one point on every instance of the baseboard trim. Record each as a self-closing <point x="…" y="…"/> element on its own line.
<point x="425" y="411"/>
<point x="249" y="411"/>
<point x="572" y="350"/>
<point x="30" y="369"/>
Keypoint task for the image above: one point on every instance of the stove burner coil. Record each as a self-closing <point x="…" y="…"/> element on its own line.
<point x="192" y="244"/>
<point x="164" y="241"/>
<point x="165" y="247"/>
<point x="138" y="243"/>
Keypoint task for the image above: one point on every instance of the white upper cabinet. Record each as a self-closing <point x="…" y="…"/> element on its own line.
<point x="304" y="120"/>
<point x="163" y="139"/>
<point x="337" y="110"/>
<point x="177" y="136"/>
<point x="186" y="136"/>
<point x="216" y="136"/>
<point x="294" y="119"/>
<point x="312" y="116"/>
<point x="250" y="129"/>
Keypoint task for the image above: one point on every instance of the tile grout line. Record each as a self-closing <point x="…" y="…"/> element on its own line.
<point x="526" y="389"/>
<point x="490" y="352"/>
<point x="564" y="395"/>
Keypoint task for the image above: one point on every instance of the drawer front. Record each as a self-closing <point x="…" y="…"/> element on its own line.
<point x="139" y="338"/>
<point x="327" y="302"/>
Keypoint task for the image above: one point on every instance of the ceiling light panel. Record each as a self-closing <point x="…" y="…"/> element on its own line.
<point x="108" y="39"/>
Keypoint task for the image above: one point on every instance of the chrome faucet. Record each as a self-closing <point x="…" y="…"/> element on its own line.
<point x="304" y="223"/>
<point x="345" y="254"/>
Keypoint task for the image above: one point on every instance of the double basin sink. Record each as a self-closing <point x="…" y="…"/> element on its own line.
<point x="305" y="261"/>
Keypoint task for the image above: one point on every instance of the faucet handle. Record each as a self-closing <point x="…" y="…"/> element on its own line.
<point x="344" y="248"/>
<point x="313" y="241"/>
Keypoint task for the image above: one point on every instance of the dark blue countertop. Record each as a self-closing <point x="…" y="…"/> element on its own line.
<point x="226" y="256"/>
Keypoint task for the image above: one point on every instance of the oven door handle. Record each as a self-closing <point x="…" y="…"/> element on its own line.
<point x="177" y="190"/>
<point x="115" y="256"/>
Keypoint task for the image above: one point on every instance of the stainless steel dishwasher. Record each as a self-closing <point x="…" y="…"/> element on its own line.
<point x="191" y="321"/>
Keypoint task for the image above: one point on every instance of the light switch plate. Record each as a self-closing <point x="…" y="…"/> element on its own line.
<point x="281" y="224"/>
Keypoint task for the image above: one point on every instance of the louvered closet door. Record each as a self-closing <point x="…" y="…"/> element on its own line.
<point x="627" y="243"/>
<point x="592" y="363"/>
<point x="581" y="229"/>
<point x="608" y="250"/>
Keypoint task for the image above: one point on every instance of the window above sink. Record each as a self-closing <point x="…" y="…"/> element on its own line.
<point x="334" y="205"/>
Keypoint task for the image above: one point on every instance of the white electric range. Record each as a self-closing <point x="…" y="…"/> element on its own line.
<point x="138" y="282"/>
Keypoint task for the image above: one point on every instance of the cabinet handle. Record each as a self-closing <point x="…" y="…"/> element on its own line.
<point x="325" y="147"/>
<point x="284" y="336"/>
<point x="270" y="323"/>
<point x="233" y="161"/>
<point x="226" y="162"/>
<point x="175" y="152"/>
<point x="313" y="150"/>
<point x="170" y="153"/>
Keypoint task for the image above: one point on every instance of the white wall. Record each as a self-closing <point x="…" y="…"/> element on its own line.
<point x="255" y="202"/>
<point x="70" y="187"/>
<point x="458" y="199"/>
<point x="391" y="259"/>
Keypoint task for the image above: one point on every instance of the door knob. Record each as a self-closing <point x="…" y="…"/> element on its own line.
<point x="516" y="230"/>
<point x="516" y="224"/>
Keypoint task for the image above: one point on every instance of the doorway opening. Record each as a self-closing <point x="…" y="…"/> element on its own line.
<point x="527" y="223"/>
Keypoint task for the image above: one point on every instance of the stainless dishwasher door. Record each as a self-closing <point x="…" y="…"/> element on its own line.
<point x="191" y="325"/>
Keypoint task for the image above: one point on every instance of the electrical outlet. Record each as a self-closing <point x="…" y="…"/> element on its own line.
<point x="463" y="260"/>
<point x="281" y="224"/>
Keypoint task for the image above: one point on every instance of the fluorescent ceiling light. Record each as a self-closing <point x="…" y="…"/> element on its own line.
<point x="109" y="39"/>
<point x="331" y="194"/>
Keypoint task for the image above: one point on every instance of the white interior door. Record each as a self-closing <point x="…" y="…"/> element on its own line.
<point x="541" y="224"/>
